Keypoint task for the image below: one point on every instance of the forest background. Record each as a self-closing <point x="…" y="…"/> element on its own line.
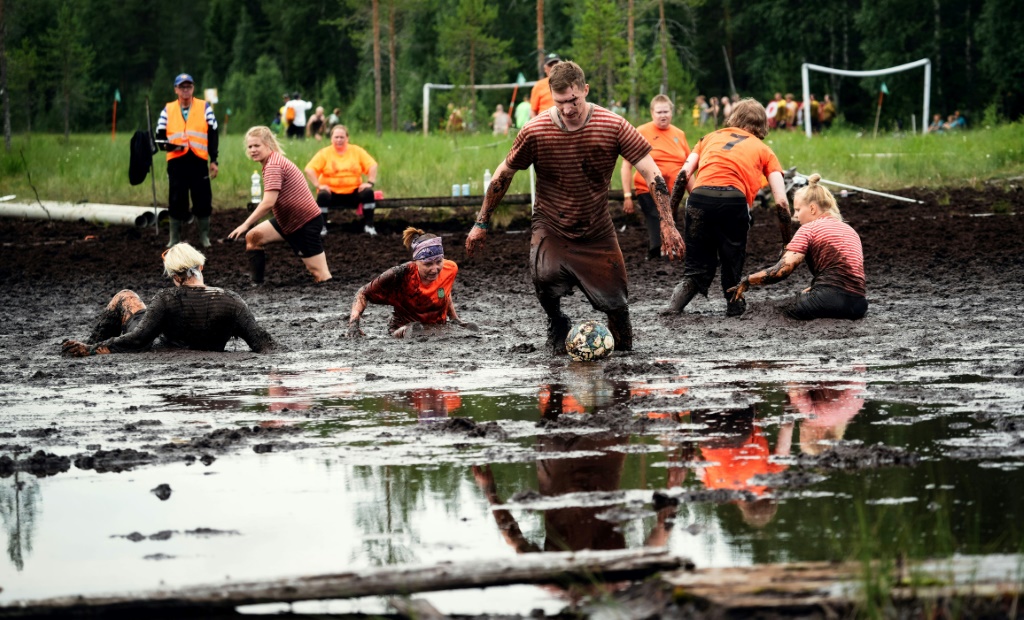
<point x="63" y="62"/>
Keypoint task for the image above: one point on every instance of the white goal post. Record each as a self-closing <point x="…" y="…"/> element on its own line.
<point x="427" y="87"/>
<point x="806" y="70"/>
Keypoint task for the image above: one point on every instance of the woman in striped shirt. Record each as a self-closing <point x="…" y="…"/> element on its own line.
<point x="834" y="256"/>
<point x="297" y="217"/>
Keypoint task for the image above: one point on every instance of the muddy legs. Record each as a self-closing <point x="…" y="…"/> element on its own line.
<point x="257" y="265"/>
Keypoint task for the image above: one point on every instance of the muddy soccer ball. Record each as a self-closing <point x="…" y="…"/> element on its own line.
<point x="589" y="340"/>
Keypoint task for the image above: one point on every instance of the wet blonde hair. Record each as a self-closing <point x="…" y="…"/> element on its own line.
<point x="819" y="195"/>
<point x="182" y="260"/>
<point x="749" y="115"/>
<point x="411" y="235"/>
<point x="266" y="136"/>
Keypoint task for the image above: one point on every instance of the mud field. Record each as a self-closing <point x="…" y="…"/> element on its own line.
<point x="333" y="454"/>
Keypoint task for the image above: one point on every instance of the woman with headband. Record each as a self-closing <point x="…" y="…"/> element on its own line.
<point x="190" y="316"/>
<point x="420" y="291"/>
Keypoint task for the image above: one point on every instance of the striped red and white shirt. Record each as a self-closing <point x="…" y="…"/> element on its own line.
<point x="574" y="169"/>
<point x="833" y="253"/>
<point x="295" y="204"/>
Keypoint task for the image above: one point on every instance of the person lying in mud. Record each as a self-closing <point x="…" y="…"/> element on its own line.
<point x="834" y="256"/>
<point x="190" y="316"/>
<point x="420" y="291"/>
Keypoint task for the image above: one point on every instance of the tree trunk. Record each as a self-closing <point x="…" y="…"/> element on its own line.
<point x="630" y="34"/>
<point x="663" y="35"/>
<point x="472" y="82"/>
<point x="4" y="95"/>
<point x="377" y="97"/>
<point x="540" y="38"/>
<point x="393" y="65"/>
<point x="937" y="10"/>
<point x="967" y="42"/>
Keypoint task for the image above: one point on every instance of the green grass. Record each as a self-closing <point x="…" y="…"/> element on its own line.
<point x="93" y="168"/>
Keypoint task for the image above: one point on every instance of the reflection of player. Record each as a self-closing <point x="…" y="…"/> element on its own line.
<point x="829" y="411"/>
<point x="738" y="452"/>
<point x="433" y="403"/>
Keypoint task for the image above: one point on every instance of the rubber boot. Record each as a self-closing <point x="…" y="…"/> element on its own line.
<point x="203" y="224"/>
<point x="622" y="329"/>
<point x="175" y="232"/>
<point x="683" y="293"/>
<point x="257" y="265"/>
<point x="558" y="329"/>
<point x="368" y="210"/>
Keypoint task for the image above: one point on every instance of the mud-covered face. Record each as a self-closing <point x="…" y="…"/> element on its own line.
<point x="661" y="112"/>
<point x="256" y="149"/>
<point x="572" y="102"/>
<point x="429" y="269"/>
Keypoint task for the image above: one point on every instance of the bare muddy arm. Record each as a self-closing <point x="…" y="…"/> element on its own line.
<point x="780" y="271"/>
<point x="358" y="306"/>
<point x="500" y="183"/>
<point x="672" y="244"/>
<point x="683" y="180"/>
<point x="778" y="185"/>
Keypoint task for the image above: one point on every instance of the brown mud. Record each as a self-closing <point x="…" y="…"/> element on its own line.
<point x="945" y="285"/>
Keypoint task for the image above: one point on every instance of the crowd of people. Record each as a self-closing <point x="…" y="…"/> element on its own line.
<point x="573" y="243"/>
<point x="782" y="112"/>
<point x="291" y="119"/>
<point x="953" y="122"/>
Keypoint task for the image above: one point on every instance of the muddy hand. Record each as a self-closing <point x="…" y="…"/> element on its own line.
<point x="672" y="244"/>
<point x="475" y="240"/>
<point x="738" y="290"/>
<point x="236" y="233"/>
<point x="353" y="330"/>
<point x="73" y="348"/>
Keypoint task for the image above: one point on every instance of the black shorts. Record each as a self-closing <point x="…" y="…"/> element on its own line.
<point x="306" y="241"/>
<point x="827" y="302"/>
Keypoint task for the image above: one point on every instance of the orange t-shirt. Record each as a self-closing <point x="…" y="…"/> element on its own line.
<point x="669" y="149"/>
<point x="732" y="468"/>
<point x="540" y="96"/>
<point x="732" y="157"/>
<point x="413" y="300"/>
<point x="342" y="172"/>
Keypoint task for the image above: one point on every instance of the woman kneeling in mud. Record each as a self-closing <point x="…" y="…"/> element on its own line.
<point x="420" y="291"/>
<point x="834" y="256"/>
<point x="191" y="315"/>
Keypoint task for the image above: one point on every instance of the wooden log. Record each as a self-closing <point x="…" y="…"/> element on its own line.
<point x="466" y="201"/>
<point x="538" y="568"/>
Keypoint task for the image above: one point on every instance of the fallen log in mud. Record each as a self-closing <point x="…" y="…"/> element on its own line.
<point x="540" y="568"/>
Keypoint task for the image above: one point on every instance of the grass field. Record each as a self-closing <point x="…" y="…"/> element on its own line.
<point x="94" y="168"/>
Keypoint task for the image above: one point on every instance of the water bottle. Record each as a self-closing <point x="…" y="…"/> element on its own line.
<point x="487" y="179"/>
<point x="455" y="189"/>
<point x="255" y="195"/>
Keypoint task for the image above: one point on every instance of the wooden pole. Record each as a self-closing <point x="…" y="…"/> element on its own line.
<point x="878" y="113"/>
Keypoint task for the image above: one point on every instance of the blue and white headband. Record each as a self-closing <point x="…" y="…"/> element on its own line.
<point x="427" y="249"/>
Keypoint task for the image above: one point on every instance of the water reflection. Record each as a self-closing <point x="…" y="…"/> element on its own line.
<point x="829" y="409"/>
<point x="19" y="509"/>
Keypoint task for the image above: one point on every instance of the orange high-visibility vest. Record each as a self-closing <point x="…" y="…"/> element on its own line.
<point x="192" y="134"/>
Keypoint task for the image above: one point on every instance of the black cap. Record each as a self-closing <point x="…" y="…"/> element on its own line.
<point x="552" y="58"/>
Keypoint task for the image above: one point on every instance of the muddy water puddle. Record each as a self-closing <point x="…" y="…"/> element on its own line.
<point x="728" y="464"/>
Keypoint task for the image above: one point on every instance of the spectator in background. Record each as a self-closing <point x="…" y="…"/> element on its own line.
<point x="500" y="121"/>
<point x="315" y="126"/>
<point x="827" y="112"/>
<point x="815" y="114"/>
<point x="540" y="95"/>
<point x="956" y="121"/>
<point x="286" y="114"/>
<point x="455" y="121"/>
<point x="792" y="107"/>
<point x="772" y="110"/>
<point x="726" y="108"/>
<point x="937" y="125"/>
<point x="297" y="128"/>
<point x="523" y="112"/>
<point x="333" y="119"/>
<point x="702" y="103"/>
<point x="713" y="111"/>
<point x="337" y="172"/>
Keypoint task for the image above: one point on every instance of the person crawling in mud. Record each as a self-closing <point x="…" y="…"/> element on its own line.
<point x="834" y="256"/>
<point x="574" y="148"/>
<point x="420" y="291"/>
<point x="190" y="316"/>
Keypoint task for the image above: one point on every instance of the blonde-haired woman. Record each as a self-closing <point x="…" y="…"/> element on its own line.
<point x="297" y="217"/>
<point x="834" y="255"/>
<point x="420" y="291"/>
<point x="191" y="315"/>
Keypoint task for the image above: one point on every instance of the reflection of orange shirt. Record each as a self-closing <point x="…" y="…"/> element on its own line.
<point x="435" y="403"/>
<point x="540" y="96"/>
<point x="342" y="172"/>
<point x="414" y="301"/>
<point x="732" y="468"/>
<point x="732" y="157"/>
<point x="669" y="149"/>
<point x="569" y="402"/>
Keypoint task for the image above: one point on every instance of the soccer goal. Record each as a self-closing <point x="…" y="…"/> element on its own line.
<point x="430" y="87"/>
<point x="924" y="62"/>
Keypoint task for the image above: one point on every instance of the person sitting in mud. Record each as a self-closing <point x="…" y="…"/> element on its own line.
<point x="420" y="291"/>
<point x="834" y="256"/>
<point x="191" y="315"/>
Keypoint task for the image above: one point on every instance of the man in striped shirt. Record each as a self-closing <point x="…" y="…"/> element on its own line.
<point x="574" y="147"/>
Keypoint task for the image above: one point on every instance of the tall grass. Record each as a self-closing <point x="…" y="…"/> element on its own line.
<point x="93" y="168"/>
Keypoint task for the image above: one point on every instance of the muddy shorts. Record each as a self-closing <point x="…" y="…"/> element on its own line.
<point x="594" y="265"/>
<point x="826" y="302"/>
<point x="717" y="221"/>
<point x="306" y="241"/>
